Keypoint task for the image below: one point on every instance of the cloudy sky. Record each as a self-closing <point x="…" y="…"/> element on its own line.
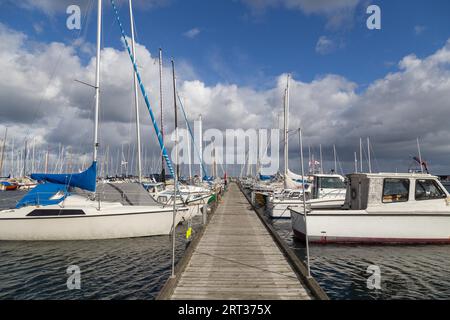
<point x="232" y="58"/>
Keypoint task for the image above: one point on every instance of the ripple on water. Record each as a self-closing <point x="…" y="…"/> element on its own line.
<point x="110" y="269"/>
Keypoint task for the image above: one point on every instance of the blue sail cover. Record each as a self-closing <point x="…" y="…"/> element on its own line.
<point x="85" y="180"/>
<point x="44" y="195"/>
<point x="265" y="177"/>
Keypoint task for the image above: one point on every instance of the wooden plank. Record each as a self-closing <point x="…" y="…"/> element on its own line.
<point x="236" y="258"/>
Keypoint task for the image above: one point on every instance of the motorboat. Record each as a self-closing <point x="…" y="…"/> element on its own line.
<point x="396" y="208"/>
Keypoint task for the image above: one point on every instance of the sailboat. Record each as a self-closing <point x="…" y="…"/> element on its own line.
<point x="324" y="190"/>
<point x="73" y="207"/>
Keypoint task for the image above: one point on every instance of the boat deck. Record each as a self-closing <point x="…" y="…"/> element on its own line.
<point x="237" y="258"/>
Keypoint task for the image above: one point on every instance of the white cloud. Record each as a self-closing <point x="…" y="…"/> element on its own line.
<point x="39" y="98"/>
<point x="418" y="30"/>
<point x="325" y="45"/>
<point x="52" y="7"/>
<point x="192" y="33"/>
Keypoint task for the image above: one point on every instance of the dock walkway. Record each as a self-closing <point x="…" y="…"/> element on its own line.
<point x="237" y="258"/>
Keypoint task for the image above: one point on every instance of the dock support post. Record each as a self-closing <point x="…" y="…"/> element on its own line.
<point x="253" y="198"/>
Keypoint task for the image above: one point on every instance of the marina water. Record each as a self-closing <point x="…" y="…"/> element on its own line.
<point x="137" y="268"/>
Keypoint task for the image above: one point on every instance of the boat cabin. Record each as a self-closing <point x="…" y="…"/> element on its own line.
<point x="381" y="189"/>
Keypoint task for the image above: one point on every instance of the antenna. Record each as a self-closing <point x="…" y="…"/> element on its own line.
<point x="420" y="156"/>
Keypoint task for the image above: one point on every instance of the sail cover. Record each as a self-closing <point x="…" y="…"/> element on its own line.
<point x="43" y="195"/>
<point x="85" y="180"/>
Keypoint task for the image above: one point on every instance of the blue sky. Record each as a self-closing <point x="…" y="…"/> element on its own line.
<point x="237" y="45"/>
<point x="392" y="85"/>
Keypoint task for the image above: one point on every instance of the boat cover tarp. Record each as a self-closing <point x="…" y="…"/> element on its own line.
<point x="127" y="193"/>
<point x="6" y="183"/>
<point x="265" y="177"/>
<point x="44" y="195"/>
<point x="85" y="180"/>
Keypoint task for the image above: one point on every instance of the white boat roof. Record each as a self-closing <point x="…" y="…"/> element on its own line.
<point x="324" y="175"/>
<point x="404" y="175"/>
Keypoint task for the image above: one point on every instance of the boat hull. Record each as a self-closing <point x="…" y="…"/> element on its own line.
<point x="363" y="228"/>
<point x="89" y="227"/>
<point x="280" y="209"/>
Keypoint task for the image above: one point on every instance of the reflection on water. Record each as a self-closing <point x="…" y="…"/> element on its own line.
<point x="407" y="272"/>
<point x="110" y="269"/>
<point x="137" y="268"/>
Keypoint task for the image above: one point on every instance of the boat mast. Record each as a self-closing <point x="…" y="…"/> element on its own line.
<point x="286" y="127"/>
<point x="136" y="97"/>
<point x="12" y="159"/>
<point x="189" y="151"/>
<point x="97" y="79"/>
<point x="258" y="163"/>
<point x="3" y="151"/>
<point x="163" y="170"/>
<point x="175" y="177"/>
<point x="200" y="145"/>
<point x="176" y="114"/>
<point x="46" y="161"/>
<point x="368" y="153"/>
<point x="321" y="159"/>
<point x="335" y="159"/>
<point x="360" y="155"/>
<point x="304" y="201"/>
<point x="25" y="158"/>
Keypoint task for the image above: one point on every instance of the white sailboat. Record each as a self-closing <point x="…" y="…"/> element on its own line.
<point x="322" y="190"/>
<point x="57" y="210"/>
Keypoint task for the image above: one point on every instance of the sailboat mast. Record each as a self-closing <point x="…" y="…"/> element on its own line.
<point x="189" y="151"/>
<point x="335" y="158"/>
<point x="97" y="79"/>
<point x="136" y="97"/>
<point x="321" y="159"/>
<point x="368" y="155"/>
<point x="46" y="161"/>
<point x="286" y="126"/>
<point x="258" y="151"/>
<point x="176" y="112"/>
<point x="25" y="159"/>
<point x="161" y="95"/>
<point x="360" y="156"/>
<point x="200" y="145"/>
<point x="175" y="177"/>
<point x="3" y="151"/>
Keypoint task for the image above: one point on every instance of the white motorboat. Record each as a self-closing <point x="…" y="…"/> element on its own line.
<point x="381" y="208"/>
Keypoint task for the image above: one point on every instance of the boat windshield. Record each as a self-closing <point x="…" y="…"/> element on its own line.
<point x="331" y="183"/>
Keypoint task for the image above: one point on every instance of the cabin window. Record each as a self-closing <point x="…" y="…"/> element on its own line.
<point x="395" y="190"/>
<point x="162" y="199"/>
<point x="331" y="183"/>
<point x="428" y="190"/>
<point x="55" y="212"/>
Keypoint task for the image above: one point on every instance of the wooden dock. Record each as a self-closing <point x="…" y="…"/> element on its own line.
<point x="236" y="257"/>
